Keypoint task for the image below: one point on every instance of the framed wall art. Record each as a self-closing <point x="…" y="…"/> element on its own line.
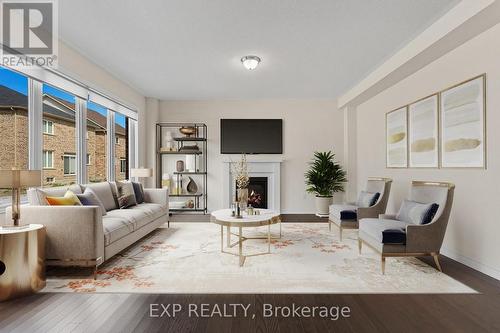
<point x="423" y="133"/>
<point x="397" y="138"/>
<point x="463" y="125"/>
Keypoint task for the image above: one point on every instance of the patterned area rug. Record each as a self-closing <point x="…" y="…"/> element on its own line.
<point x="308" y="259"/>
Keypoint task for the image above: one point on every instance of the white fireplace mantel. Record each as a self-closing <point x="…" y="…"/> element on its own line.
<point x="258" y="166"/>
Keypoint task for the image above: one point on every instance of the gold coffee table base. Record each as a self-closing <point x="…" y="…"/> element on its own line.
<point x="240" y="241"/>
<point x="224" y="219"/>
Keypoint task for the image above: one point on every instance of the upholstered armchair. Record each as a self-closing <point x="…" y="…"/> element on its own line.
<point x="403" y="235"/>
<point x="347" y="215"/>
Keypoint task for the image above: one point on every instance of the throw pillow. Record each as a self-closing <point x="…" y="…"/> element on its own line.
<point x="125" y="194"/>
<point x="139" y="192"/>
<point x="367" y="199"/>
<point x="69" y="199"/>
<point x="416" y="212"/>
<point x="89" y="198"/>
<point x="394" y="236"/>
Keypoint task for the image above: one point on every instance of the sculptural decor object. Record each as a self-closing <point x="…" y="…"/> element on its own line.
<point x="179" y="166"/>
<point x="188" y="131"/>
<point x="191" y="186"/>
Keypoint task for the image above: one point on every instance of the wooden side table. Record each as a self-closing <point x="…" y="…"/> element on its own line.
<point x="22" y="261"/>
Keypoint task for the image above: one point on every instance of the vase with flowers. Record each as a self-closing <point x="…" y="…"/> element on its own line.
<point x="240" y="172"/>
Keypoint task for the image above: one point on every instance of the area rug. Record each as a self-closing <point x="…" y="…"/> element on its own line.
<point x="186" y="258"/>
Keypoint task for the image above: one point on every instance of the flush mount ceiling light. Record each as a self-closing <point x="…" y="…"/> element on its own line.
<point x="250" y="62"/>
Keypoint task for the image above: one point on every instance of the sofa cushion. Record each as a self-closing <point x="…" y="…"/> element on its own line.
<point x="367" y="199"/>
<point x="139" y="192"/>
<point x="394" y="236"/>
<point x="343" y="212"/>
<point x="137" y="218"/>
<point x="152" y="210"/>
<point x="37" y="196"/>
<point x="374" y="227"/>
<point x="416" y="212"/>
<point x="69" y="199"/>
<point x="125" y="194"/>
<point x="104" y="193"/>
<point x="115" y="228"/>
<point x="89" y="198"/>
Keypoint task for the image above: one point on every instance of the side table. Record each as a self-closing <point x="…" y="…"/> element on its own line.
<point x="22" y="261"/>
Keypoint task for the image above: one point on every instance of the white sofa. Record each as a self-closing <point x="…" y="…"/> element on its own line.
<point x="81" y="235"/>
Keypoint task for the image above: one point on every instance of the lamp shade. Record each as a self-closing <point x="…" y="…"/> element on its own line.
<point x="20" y="178"/>
<point x="141" y="172"/>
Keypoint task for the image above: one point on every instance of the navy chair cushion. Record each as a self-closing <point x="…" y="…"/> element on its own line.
<point x="394" y="236"/>
<point x="348" y="215"/>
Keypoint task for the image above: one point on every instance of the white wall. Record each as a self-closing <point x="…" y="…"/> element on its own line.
<point x="473" y="232"/>
<point x="307" y="126"/>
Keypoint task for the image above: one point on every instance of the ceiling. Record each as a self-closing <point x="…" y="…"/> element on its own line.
<point x="191" y="49"/>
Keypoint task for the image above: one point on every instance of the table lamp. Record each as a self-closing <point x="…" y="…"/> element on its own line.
<point x="141" y="172"/>
<point x="16" y="180"/>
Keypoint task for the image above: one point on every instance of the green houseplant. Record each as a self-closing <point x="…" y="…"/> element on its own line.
<point x="324" y="178"/>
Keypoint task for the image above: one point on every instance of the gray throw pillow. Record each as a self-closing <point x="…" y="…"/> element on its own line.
<point x="89" y="198"/>
<point x="139" y="192"/>
<point x="367" y="199"/>
<point x="125" y="194"/>
<point x="416" y="212"/>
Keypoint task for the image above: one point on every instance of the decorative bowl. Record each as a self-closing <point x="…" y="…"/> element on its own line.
<point x="188" y="130"/>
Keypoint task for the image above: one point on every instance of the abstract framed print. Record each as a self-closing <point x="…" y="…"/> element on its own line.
<point x="463" y="120"/>
<point x="423" y="133"/>
<point x="396" y="124"/>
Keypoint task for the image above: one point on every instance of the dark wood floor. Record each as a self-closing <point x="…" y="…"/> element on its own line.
<point x="369" y="313"/>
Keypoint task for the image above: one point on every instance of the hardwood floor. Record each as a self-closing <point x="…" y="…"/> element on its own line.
<point x="107" y="312"/>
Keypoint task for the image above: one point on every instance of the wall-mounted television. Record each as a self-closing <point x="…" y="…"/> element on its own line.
<point x="251" y="136"/>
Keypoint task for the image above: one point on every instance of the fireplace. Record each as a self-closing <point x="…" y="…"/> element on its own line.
<point x="257" y="192"/>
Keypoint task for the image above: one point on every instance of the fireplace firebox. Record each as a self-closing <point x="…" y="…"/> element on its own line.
<point x="257" y="192"/>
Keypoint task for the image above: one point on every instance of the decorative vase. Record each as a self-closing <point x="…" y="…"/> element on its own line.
<point x="188" y="130"/>
<point x="243" y="197"/>
<point x="191" y="186"/>
<point x="322" y="205"/>
<point x="190" y="163"/>
<point x="165" y="181"/>
<point x="179" y="166"/>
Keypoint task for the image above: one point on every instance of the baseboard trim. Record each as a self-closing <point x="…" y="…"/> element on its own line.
<point x="485" y="269"/>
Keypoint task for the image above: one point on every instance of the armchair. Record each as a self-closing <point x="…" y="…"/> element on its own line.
<point x="346" y="216"/>
<point x="415" y="239"/>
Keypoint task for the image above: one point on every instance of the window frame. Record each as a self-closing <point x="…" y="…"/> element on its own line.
<point x="47" y="122"/>
<point x="123" y="167"/>
<point x="51" y="153"/>
<point x="73" y="156"/>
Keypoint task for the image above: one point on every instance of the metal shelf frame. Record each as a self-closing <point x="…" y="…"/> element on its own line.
<point x="200" y="199"/>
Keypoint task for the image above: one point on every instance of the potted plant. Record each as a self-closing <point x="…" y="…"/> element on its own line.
<point x="324" y="178"/>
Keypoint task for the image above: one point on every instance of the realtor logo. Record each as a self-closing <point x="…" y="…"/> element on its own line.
<point x="29" y="33"/>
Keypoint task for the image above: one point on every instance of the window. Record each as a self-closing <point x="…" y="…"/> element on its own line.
<point x="123" y="165"/>
<point x="121" y="146"/>
<point x="59" y="110"/>
<point x="48" y="127"/>
<point x="13" y="127"/>
<point x="69" y="163"/>
<point x="50" y="180"/>
<point x="48" y="160"/>
<point x="88" y="159"/>
<point x="97" y="132"/>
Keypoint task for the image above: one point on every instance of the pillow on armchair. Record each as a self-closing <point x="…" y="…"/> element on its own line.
<point x="367" y="199"/>
<point x="416" y="212"/>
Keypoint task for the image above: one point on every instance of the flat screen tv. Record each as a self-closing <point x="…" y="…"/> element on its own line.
<point x="251" y="136"/>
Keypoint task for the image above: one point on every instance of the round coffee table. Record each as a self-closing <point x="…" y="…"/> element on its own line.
<point x="223" y="218"/>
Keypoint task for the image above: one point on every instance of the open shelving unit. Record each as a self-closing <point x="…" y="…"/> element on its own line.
<point x="166" y="160"/>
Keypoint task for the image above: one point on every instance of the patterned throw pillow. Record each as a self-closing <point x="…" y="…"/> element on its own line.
<point x="367" y="199"/>
<point x="69" y="199"/>
<point x="139" y="192"/>
<point x="89" y="198"/>
<point x="416" y="212"/>
<point x="125" y="194"/>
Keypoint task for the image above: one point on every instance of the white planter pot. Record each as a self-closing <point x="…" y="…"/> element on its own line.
<point x="322" y="205"/>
